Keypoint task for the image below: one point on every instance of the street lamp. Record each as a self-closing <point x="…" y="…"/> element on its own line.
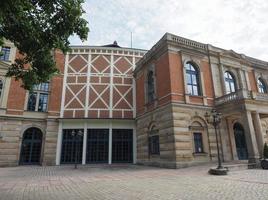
<point x="75" y="134"/>
<point x="214" y="118"/>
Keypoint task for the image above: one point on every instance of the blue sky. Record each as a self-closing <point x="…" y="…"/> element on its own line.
<point x="241" y="25"/>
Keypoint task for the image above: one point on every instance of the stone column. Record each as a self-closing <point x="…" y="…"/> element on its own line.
<point x="258" y="131"/>
<point x="253" y="152"/>
<point x="222" y="79"/>
<point x="59" y="142"/>
<point x="84" y="154"/>
<point x="110" y="144"/>
<point x="134" y="146"/>
<point x="240" y="84"/>
<point x="202" y="84"/>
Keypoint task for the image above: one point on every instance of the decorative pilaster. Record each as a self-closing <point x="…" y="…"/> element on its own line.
<point x="59" y="142"/>
<point x="251" y="140"/>
<point x="84" y="145"/>
<point x="258" y="131"/>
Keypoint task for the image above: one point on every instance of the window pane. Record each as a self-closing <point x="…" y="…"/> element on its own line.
<point x="198" y="142"/>
<point x="190" y="90"/>
<point x="5" y="53"/>
<point x="195" y="90"/>
<point x="42" y="105"/>
<point x="188" y="66"/>
<point x="262" y="87"/>
<point x="189" y="81"/>
<point x="194" y="81"/>
<point x="232" y="87"/>
<point x="31" y="102"/>
<point x="44" y="86"/>
<point x="36" y="87"/>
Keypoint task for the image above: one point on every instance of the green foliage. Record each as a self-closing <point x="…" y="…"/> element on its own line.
<point x="265" y="151"/>
<point x="36" y="27"/>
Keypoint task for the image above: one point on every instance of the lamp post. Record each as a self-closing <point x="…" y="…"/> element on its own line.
<point x="214" y="118"/>
<point x="75" y="134"/>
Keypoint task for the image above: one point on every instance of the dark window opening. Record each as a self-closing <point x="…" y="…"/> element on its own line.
<point x="72" y="146"/>
<point x="154" y="145"/>
<point x="122" y="146"/>
<point x="151" y="86"/>
<point x="97" y="145"/>
<point x="198" y="143"/>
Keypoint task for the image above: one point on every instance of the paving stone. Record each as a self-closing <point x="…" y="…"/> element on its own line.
<point x="127" y="182"/>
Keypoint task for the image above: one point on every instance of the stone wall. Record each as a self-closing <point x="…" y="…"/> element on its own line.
<point x="51" y="142"/>
<point x="176" y="125"/>
<point x="162" y="119"/>
<point x="11" y="135"/>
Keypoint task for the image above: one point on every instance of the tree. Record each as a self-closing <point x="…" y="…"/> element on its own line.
<point x="37" y="27"/>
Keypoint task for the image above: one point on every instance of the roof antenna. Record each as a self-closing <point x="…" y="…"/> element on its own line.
<point x="131" y="39"/>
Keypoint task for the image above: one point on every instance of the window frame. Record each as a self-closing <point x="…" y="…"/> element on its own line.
<point x="228" y="81"/>
<point x="6" y="53"/>
<point x="42" y="89"/>
<point x="1" y="88"/>
<point x="193" y="71"/>
<point x="262" y="88"/>
<point x="150" y="87"/>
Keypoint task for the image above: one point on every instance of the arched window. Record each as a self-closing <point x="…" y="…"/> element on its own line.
<point x="193" y="84"/>
<point x="31" y="146"/>
<point x="229" y="82"/>
<point x="150" y="86"/>
<point x="261" y="86"/>
<point x="1" y="87"/>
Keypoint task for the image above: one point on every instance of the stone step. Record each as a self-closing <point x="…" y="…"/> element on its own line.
<point x="240" y="166"/>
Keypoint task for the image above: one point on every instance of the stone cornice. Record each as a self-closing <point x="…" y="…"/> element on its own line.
<point x="171" y="42"/>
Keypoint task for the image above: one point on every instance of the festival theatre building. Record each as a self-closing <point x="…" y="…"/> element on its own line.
<point x="122" y="105"/>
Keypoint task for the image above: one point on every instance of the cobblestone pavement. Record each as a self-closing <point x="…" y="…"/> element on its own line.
<point x="129" y="182"/>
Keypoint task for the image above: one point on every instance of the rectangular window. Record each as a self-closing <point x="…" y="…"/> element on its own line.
<point x="38" y="99"/>
<point x="42" y="105"/>
<point x="154" y="145"/>
<point x="198" y="143"/>
<point x="5" y="52"/>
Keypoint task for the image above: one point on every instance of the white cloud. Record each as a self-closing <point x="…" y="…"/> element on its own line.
<point x="230" y="24"/>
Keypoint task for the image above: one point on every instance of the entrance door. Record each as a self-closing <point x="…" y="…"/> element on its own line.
<point x="122" y="146"/>
<point x="97" y="145"/>
<point x="72" y="146"/>
<point x="31" y="147"/>
<point x="240" y="141"/>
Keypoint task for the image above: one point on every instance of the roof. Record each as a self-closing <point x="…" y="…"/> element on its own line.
<point x="112" y="45"/>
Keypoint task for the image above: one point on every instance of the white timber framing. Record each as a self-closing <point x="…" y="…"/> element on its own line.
<point x="129" y="55"/>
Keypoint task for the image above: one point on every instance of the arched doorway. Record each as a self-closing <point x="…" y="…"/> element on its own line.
<point x="240" y="142"/>
<point x="31" y="147"/>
